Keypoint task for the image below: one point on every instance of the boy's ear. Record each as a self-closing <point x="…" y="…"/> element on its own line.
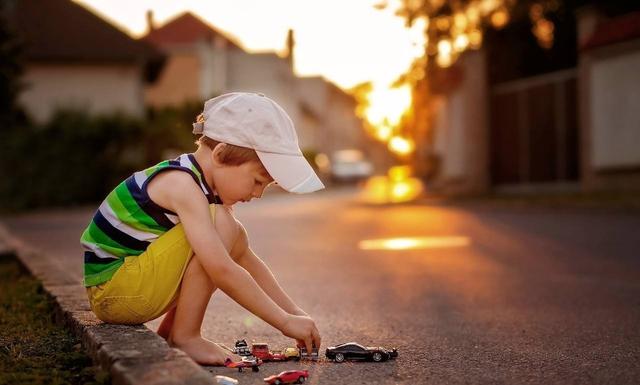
<point x="215" y="154"/>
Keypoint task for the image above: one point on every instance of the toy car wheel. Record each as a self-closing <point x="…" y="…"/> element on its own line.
<point x="301" y="380"/>
<point x="278" y="382"/>
<point x="339" y="357"/>
<point x="255" y="368"/>
<point x="377" y="357"/>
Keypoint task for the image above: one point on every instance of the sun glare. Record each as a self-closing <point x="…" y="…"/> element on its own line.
<point x="387" y="105"/>
<point x="401" y="146"/>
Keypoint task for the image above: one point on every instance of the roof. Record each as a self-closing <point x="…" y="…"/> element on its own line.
<point x="63" y="31"/>
<point x="621" y="28"/>
<point x="184" y="29"/>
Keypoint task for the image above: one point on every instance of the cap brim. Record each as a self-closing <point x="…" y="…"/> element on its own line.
<point x="292" y="172"/>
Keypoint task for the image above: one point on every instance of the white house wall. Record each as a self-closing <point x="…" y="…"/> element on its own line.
<point x="214" y="67"/>
<point x="337" y="126"/>
<point x="615" y="114"/>
<point x="342" y="121"/>
<point x="460" y="129"/>
<point x="313" y="94"/>
<point x="179" y="80"/>
<point x="271" y="75"/>
<point x="99" y="89"/>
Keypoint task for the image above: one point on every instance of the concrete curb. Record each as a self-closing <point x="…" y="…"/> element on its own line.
<point x="130" y="354"/>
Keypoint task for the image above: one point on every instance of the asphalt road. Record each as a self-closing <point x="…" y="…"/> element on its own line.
<point x="531" y="295"/>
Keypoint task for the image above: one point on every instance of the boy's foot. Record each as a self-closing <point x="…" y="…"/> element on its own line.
<point x="204" y="351"/>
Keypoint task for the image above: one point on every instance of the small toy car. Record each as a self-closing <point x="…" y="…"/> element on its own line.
<point x="298" y="353"/>
<point x="355" y="351"/>
<point x="288" y="377"/>
<point x="313" y="356"/>
<point x="262" y="352"/>
<point x="292" y="353"/>
<point x="241" y="348"/>
<point x="247" y="362"/>
<point x="224" y="380"/>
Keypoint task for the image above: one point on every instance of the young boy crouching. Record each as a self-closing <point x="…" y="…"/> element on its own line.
<point x="165" y="239"/>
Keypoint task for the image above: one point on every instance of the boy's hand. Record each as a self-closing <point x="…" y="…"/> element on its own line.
<point x="303" y="330"/>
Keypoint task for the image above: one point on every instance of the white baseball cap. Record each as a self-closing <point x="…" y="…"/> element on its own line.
<point x="254" y="121"/>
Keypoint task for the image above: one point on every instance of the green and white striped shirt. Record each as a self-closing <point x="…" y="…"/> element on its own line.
<point x="128" y="220"/>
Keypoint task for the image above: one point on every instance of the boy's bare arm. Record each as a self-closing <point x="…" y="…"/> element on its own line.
<point x="177" y="191"/>
<point x="187" y="200"/>
<point x="262" y="274"/>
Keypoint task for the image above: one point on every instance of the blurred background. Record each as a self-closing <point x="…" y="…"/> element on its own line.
<point x="407" y="99"/>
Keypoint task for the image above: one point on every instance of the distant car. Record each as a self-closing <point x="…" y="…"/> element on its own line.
<point x="349" y="166"/>
<point x="355" y="352"/>
<point x="247" y="362"/>
<point x="288" y="377"/>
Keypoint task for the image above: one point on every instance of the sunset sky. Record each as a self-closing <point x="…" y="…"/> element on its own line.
<point x="347" y="42"/>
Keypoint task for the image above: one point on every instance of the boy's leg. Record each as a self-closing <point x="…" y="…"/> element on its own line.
<point x="167" y="322"/>
<point x="193" y="298"/>
<point x="195" y="292"/>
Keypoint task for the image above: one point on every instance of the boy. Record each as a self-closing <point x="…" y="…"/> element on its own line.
<point x="165" y="239"/>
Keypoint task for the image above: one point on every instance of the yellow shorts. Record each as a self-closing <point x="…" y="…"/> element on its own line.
<point x="145" y="286"/>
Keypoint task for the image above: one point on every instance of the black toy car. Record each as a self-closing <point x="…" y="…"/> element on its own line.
<point x="313" y="356"/>
<point x="354" y="351"/>
<point x="242" y="349"/>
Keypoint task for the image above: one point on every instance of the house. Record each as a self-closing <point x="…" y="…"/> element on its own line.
<point x="203" y="62"/>
<point x="73" y="59"/>
<point x="327" y="108"/>
<point x="516" y="117"/>
<point x="608" y="102"/>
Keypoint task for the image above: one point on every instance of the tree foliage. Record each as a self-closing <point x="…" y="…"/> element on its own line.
<point x="10" y="72"/>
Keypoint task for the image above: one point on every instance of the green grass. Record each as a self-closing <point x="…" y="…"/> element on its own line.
<point x="33" y="349"/>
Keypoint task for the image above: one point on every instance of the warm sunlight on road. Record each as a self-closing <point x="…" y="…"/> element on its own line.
<point x="412" y="243"/>
<point x="395" y="187"/>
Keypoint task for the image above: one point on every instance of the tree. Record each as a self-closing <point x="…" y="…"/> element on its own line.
<point x="10" y="72"/>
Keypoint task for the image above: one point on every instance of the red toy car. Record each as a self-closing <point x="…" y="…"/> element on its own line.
<point x="247" y="362"/>
<point x="288" y="377"/>
<point x="262" y="352"/>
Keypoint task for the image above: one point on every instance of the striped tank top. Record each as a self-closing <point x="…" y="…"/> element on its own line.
<point x="128" y="220"/>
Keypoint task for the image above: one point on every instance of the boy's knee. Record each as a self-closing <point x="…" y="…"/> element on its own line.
<point x="226" y="226"/>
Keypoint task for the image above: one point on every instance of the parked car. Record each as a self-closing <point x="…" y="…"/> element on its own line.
<point x="288" y="377"/>
<point x="349" y="165"/>
<point x="356" y="352"/>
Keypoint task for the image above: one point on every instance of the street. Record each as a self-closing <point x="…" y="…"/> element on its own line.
<point x="496" y="294"/>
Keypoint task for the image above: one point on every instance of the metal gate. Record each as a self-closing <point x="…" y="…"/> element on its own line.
<point x="534" y="130"/>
